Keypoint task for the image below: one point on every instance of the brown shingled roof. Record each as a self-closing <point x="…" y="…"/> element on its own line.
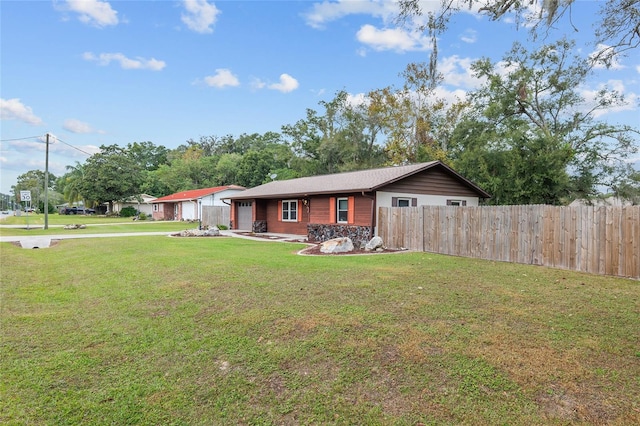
<point x="349" y="182"/>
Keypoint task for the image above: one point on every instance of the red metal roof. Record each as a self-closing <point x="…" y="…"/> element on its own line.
<point x="194" y="194"/>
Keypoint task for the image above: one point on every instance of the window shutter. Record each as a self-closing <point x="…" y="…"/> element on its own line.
<point x="279" y="210"/>
<point x="234" y="219"/>
<point x="464" y="202"/>
<point x="414" y="202"/>
<point x="332" y="209"/>
<point x="351" y="210"/>
<point x="299" y="210"/>
<point x="394" y="201"/>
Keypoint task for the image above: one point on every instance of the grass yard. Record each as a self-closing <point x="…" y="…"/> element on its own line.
<point x="94" y="225"/>
<point x="160" y="330"/>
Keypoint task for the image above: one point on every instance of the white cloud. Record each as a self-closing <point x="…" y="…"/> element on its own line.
<point x="392" y="39"/>
<point x="327" y="11"/>
<point x="287" y="84"/>
<point x="469" y="36"/>
<point x="93" y="12"/>
<point x="630" y="99"/>
<point x="125" y="63"/>
<point x="77" y="126"/>
<point x="258" y="84"/>
<point x="450" y="97"/>
<point x="357" y="99"/>
<point x="638" y="69"/>
<point x="13" y="109"/>
<point x="457" y="72"/>
<point x="200" y="15"/>
<point x="604" y="55"/>
<point x="222" y="78"/>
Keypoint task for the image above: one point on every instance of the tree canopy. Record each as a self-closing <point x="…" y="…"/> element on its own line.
<point x="533" y="134"/>
<point x="617" y="28"/>
<point x="110" y="175"/>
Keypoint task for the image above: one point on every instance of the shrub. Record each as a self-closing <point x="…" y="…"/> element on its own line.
<point x="142" y="216"/>
<point x="222" y="227"/>
<point x="128" y="212"/>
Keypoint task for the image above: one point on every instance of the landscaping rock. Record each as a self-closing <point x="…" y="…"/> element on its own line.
<point x="75" y="226"/>
<point x="374" y="244"/>
<point x="212" y="232"/>
<point x="337" y="245"/>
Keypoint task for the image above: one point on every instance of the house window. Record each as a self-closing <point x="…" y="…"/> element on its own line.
<point x="456" y="202"/>
<point x="343" y="210"/>
<point x="155" y="207"/>
<point x="290" y="210"/>
<point x="404" y="202"/>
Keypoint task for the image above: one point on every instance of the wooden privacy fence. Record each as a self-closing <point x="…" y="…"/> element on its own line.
<point x="599" y="240"/>
<point x="216" y="215"/>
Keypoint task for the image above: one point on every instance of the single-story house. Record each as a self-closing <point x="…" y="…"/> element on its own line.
<point x="143" y="203"/>
<point x="345" y="204"/>
<point x="187" y="205"/>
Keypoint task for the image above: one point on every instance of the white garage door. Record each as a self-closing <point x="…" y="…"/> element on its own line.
<point x="188" y="211"/>
<point x="245" y="216"/>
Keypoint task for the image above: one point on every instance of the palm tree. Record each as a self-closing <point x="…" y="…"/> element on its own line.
<point x="71" y="184"/>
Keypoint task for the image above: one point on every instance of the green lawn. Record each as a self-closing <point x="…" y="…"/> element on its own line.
<point x="34" y="225"/>
<point x="159" y="330"/>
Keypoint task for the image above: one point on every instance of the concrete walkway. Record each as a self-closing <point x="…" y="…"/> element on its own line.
<point x="44" y="241"/>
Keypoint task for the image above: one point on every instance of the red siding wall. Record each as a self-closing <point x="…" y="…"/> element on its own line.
<point x="317" y="211"/>
<point x="276" y="225"/>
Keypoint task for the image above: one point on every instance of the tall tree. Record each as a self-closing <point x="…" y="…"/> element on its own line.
<point x="33" y="181"/>
<point x="342" y="138"/>
<point x="629" y="187"/>
<point x="147" y="155"/>
<point x="416" y="122"/>
<point x="71" y="184"/>
<point x="110" y="175"/>
<point x="536" y="116"/>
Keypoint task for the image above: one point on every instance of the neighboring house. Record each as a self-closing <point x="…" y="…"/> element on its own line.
<point x="187" y="205"/>
<point x="602" y="202"/>
<point x="345" y="204"/>
<point x="143" y="203"/>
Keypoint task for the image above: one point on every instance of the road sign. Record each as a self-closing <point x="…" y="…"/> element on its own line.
<point x="25" y="195"/>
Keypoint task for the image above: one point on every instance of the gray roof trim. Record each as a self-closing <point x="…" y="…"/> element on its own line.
<point x="340" y="183"/>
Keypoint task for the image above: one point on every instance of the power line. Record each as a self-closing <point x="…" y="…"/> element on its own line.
<point x="71" y="146"/>
<point x="21" y="139"/>
<point x="55" y="138"/>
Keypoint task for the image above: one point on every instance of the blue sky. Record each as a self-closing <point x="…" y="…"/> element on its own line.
<point x="96" y="72"/>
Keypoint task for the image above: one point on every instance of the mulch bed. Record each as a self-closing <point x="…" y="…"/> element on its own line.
<point x="314" y="248"/>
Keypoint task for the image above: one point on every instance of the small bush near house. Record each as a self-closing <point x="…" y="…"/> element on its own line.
<point x="222" y="227"/>
<point x="142" y="216"/>
<point x="128" y="212"/>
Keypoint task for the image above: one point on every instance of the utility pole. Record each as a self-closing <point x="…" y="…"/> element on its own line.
<point x="46" y="186"/>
